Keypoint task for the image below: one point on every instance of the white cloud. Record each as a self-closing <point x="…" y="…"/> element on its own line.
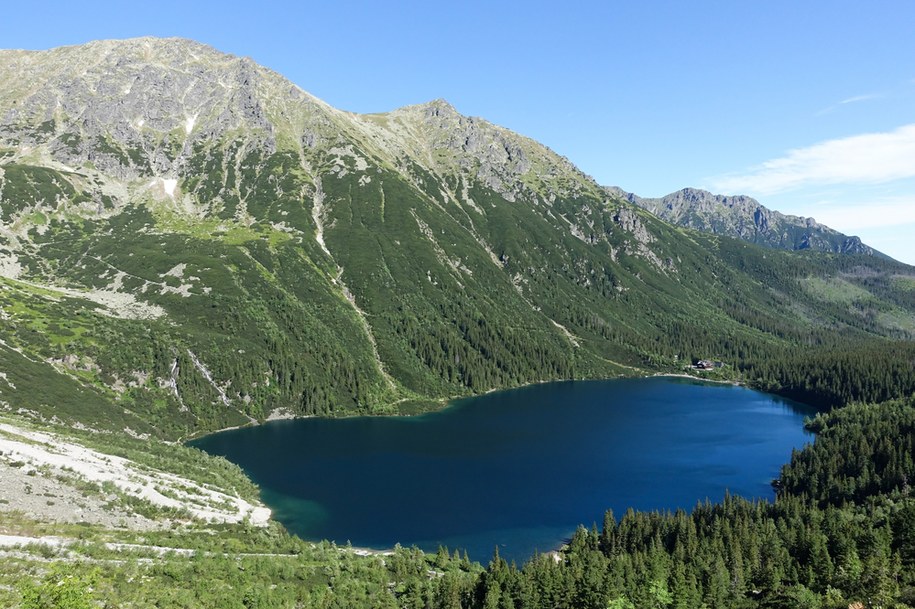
<point x="866" y="214"/>
<point x="871" y="158"/>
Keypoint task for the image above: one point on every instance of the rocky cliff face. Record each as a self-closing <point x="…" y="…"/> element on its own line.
<point x="745" y="218"/>
<point x="158" y="109"/>
<point x="437" y="137"/>
<point x="132" y="108"/>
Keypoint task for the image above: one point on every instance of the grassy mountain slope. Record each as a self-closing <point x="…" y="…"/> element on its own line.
<point x="193" y="238"/>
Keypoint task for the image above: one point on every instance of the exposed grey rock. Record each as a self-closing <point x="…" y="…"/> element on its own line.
<point x="630" y="222"/>
<point x="145" y="117"/>
<point x="506" y="162"/>
<point x="745" y="218"/>
<point x="113" y="103"/>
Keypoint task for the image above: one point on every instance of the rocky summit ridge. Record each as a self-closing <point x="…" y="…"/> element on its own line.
<point x="746" y="218"/>
<point x="155" y="99"/>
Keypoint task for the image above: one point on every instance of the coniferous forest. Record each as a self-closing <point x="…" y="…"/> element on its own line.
<point x="841" y="531"/>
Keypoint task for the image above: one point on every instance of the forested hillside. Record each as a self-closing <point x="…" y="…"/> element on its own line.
<point x="197" y="243"/>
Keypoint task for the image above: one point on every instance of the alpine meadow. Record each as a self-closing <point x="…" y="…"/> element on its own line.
<point x="189" y="242"/>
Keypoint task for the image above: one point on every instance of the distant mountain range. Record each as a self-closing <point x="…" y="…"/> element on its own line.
<point x="189" y="241"/>
<point x="745" y="218"/>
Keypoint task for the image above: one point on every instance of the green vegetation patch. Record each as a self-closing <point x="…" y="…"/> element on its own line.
<point x="904" y="283"/>
<point x="226" y="567"/>
<point x="835" y="290"/>
<point x="27" y="186"/>
<point x="229" y="232"/>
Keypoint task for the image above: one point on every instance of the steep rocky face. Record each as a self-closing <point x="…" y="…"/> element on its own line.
<point x="198" y="242"/>
<point x="745" y="218"/>
<point x="437" y="137"/>
<point x="133" y="108"/>
<point x="161" y="108"/>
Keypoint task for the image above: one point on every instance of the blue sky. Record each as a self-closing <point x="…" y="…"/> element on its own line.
<point x="808" y="106"/>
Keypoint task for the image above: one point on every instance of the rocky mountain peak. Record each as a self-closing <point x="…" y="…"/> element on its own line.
<point x="139" y="107"/>
<point x="746" y="218"/>
<point x="438" y="108"/>
<point x="696" y="198"/>
<point x="142" y="107"/>
<point x="441" y="139"/>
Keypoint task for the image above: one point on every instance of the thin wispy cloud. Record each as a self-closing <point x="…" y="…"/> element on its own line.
<point x="872" y="158"/>
<point x="859" y="98"/>
<point x="849" y="100"/>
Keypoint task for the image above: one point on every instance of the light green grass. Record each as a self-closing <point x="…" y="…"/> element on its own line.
<point x="835" y="290"/>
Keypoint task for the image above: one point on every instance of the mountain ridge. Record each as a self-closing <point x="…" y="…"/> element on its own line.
<point x="196" y="240"/>
<point x="746" y="218"/>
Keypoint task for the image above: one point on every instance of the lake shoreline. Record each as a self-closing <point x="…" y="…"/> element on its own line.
<point x="682" y="375"/>
<point x="445" y="402"/>
<point x="709" y="439"/>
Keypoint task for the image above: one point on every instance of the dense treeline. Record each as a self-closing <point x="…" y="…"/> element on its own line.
<point x="874" y="371"/>
<point x="862" y="451"/>
<point x="841" y="531"/>
<point x="471" y="352"/>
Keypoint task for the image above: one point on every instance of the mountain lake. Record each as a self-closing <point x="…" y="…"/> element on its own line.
<point x="518" y="469"/>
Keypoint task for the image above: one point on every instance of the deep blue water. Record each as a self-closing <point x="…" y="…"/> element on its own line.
<point x="519" y="469"/>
